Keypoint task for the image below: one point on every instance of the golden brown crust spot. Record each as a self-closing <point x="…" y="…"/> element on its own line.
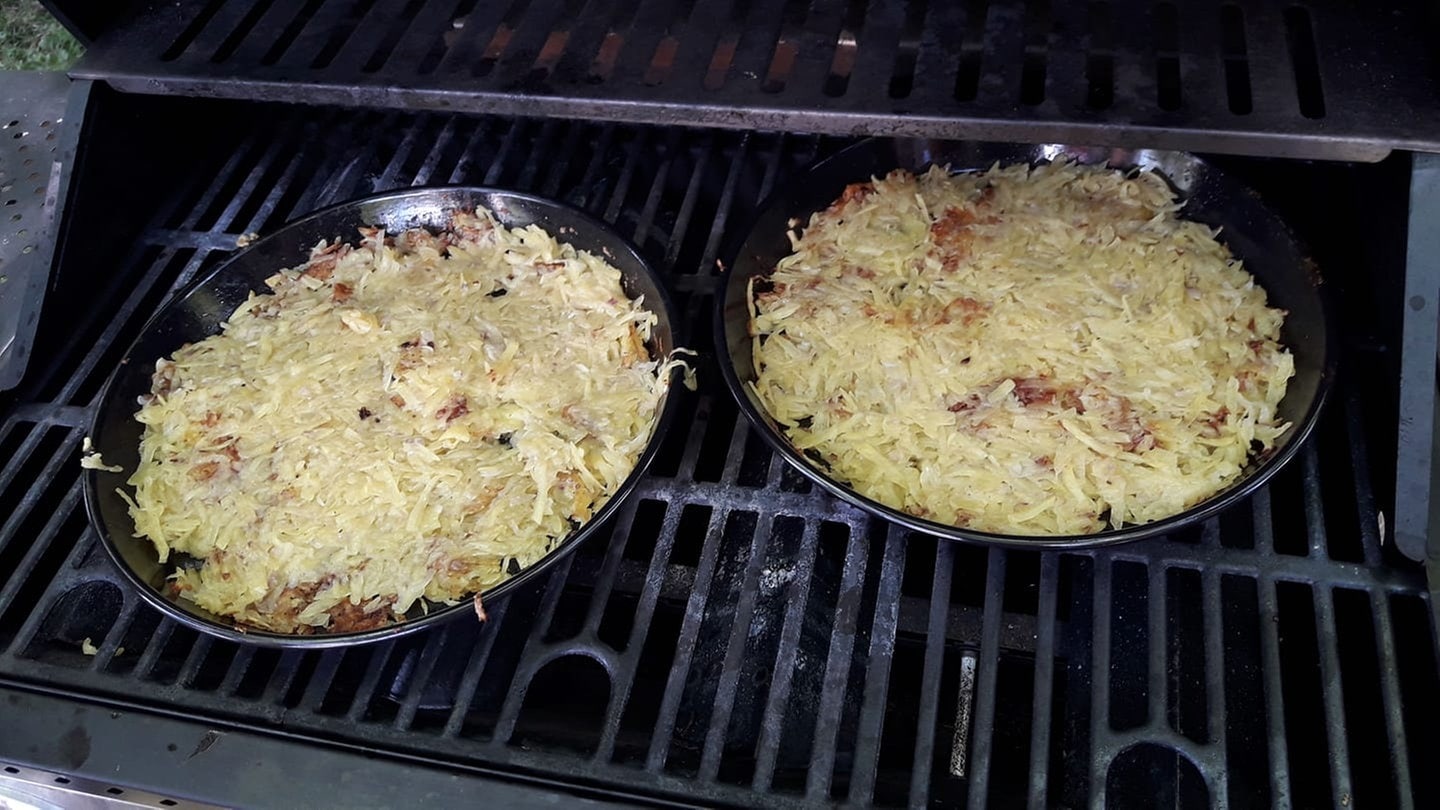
<point x="349" y="618"/>
<point x="966" y="310"/>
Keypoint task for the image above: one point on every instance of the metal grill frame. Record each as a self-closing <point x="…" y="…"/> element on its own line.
<point x="874" y="617"/>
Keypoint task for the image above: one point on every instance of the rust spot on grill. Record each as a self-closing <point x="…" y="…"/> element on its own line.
<point x="720" y="61"/>
<point x="662" y="61"/>
<point x="608" y="55"/>
<point x="550" y="52"/>
<point x="781" y="65"/>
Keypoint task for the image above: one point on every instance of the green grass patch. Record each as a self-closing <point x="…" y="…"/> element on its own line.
<point x="30" y="39"/>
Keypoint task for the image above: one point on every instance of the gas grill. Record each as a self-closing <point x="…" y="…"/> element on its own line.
<point x="736" y="636"/>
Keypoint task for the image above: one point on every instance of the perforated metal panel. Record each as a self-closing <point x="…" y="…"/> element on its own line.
<point x="32" y="109"/>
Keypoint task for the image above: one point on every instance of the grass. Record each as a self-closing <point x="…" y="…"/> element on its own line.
<point x="30" y="39"/>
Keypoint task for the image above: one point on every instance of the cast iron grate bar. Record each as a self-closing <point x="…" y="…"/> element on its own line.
<point x="926" y="732"/>
<point x="474" y="668"/>
<point x="768" y="745"/>
<point x="832" y="696"/>
<point x="1158" y="688"/>
<point x="325" y="670"/>
<point x="1040" y="730"/>
<point x="26" y="568"/>
<point x="625" y="672"/>
<point x="670" y="704"/>
<point x="1324" y="80"/>
<point x="30" y="501"/>
<point x="380" y="655"/>
<point x="1340" y="782"/>
<point x="976" y="761"/>
<point x="156" y="644"/>
<point x="112" y="331"/>
<point x="110" y="644"/>
<point x="1274" y="709"/>
<point x="879" y="672"/>
<point x="633" y="149"/>
<point x="244" y="656"/>
<point x="1398" y="746"/>
<point x="605" y="579"/>
<point x="732" y="666"/>
<point x="1214" y="678"/>
<point x="537" y="648"/>
<point x="33" y="622"/>
<point x="1101" y="669"/>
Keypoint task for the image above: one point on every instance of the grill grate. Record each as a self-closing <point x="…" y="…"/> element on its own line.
<point x="1321" y="79"/>
<point x="736" y="636"/>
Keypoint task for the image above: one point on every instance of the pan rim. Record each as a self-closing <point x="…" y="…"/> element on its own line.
<point x="774" y="437"/>
<point x="438" y="612"/>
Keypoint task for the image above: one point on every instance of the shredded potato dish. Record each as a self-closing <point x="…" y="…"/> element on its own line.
<point x="1030" y="351"/>
<point x="416" y="415"/>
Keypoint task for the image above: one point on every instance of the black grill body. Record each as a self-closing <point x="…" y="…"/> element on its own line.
<point x="734" y="636"/>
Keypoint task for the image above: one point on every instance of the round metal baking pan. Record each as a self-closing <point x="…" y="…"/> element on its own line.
<point x="197" y="312"/>
<point x="1252" y="232"/>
